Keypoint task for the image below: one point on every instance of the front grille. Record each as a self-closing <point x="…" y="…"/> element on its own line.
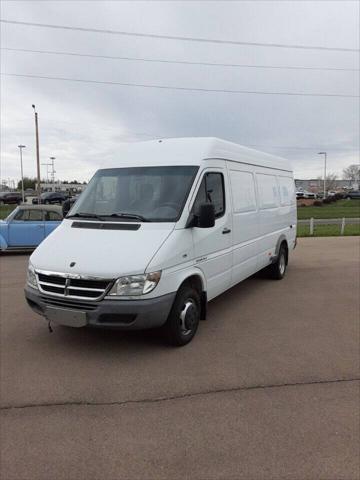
<point x="51" y="279"/>
<point x="68" y="287"/>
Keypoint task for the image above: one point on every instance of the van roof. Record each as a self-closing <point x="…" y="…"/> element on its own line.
<point x="192" y="151"/>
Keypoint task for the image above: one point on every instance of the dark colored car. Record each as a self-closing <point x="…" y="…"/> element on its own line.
<point x="50" y="198"/>
<point x="9" y="198"/>
<point x="352" y="195"/>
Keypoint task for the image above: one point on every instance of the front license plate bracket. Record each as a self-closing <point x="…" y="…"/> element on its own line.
<point x="65" y="316"/>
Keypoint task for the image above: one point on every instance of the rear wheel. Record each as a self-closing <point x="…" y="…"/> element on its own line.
<point x="277" y="270"/>
<point x="184" y="317"/>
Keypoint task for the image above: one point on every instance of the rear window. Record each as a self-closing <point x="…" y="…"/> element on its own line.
<point x="52" y="216"/>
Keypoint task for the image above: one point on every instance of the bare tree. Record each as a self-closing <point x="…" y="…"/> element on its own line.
<point x="352" y="173"/>
<point x="331" y="181"/>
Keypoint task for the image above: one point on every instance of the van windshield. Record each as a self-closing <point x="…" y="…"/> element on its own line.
<point x="153" y="194"/>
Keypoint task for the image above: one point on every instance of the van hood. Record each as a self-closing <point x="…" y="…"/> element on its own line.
<point x="100" y="252"/>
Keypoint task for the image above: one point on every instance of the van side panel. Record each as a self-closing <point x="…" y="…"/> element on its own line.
<point x="277" y="212"/>
<point x="245" y="220"/>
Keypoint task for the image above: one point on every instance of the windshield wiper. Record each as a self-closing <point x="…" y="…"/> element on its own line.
<point x="129" y="216"/>
<point x="85" y="215"/>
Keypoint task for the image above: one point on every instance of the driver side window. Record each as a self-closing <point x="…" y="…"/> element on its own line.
<point x="211" y="190"/>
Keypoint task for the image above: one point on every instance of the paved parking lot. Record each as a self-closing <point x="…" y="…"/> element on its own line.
<point x="269" y="388"/>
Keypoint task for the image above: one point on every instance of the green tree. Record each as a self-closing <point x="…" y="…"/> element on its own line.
<point x="28" y="183"/>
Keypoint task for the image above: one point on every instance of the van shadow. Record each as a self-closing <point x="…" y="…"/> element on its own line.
<point x="113" y="339"/>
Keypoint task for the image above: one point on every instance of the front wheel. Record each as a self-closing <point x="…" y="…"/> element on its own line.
<point x="277" y="270"/>
<point x="184" y="317"/>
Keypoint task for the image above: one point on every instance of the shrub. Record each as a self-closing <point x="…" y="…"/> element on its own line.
<point x="327" y="200"/>
<point x="317" y="203"/>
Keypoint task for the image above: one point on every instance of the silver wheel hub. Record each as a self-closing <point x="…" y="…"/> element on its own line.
<point x="282" y="264"/>
<point x="188" y="317"/>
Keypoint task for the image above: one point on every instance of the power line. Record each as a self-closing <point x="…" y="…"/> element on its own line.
<point x="174" y="37"/>
<point x="180" y="62"/>
<point x="188" y="89"/>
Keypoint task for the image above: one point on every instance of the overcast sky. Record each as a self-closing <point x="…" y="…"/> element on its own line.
<point x="82" y="124"/>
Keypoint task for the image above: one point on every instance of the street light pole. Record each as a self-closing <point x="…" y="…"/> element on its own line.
<point x="37" y="154"/>
<point x="325" y="158"/>
<point x="47" y="170"/>
<point x="22" y="174"/>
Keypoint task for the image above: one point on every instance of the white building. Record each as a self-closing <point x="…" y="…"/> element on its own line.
<point x="62" y="187"/>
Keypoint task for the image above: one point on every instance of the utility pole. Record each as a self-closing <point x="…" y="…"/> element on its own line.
<point x="37" y="154"/>
<point x="22" y="174"/>
<point x="325" y="158"/>
<point x="53" y="172"/>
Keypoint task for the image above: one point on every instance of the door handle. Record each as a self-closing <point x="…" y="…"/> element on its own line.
<point x="226" y="230"/>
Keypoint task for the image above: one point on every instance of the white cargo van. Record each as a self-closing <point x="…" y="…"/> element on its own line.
<point x="174" y="224"/>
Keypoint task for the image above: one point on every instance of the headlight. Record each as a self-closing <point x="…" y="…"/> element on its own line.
<point x="135" y="284"/>
<point x="31" y="277"/>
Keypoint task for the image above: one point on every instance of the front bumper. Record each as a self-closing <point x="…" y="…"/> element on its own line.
<point x="120" y="314"/>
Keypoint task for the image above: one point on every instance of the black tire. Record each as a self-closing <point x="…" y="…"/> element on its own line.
<point x="277" y="270"/>
<point x="183" y="320"/>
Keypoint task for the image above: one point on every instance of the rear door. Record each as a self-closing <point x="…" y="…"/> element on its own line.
<point x="270" y="219"/>
<point x="212" y="246"/>
<point x="27" y="228"/>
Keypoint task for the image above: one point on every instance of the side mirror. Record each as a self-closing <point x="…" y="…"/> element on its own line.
<point x="206" y="216"/>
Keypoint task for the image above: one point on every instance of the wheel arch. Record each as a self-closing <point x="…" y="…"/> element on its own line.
<point x="196" y="279"/>
<point x="282" y="240"/>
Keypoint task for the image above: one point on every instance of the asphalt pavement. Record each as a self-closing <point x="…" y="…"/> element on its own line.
<point x="268" y="389"/>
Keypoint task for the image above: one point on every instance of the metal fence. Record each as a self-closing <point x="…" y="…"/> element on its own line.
<point x="341" y="222"/>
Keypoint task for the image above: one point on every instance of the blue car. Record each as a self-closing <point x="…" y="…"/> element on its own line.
<point x="27" y="226"/>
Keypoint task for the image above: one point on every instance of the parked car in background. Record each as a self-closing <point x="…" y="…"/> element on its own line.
<point x="352" y="195"/>
<point x="310" y="195"/>
<point x="305" y="194"/>
<point x="8" y="198"/>
<point x="50" y="198"/>
<point x="27" y="226"/>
